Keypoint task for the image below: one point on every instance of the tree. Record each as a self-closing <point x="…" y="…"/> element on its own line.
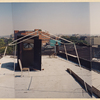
<point x="2" y="43"/>
<point x="76" y="40"/>
<point x="9" y="50"/>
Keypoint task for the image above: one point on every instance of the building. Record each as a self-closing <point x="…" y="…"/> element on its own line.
<point x="94" y="41"/>
<point x="41" y="33"/>
<point x="29" y="52"/>
<point x="76" y="35"/>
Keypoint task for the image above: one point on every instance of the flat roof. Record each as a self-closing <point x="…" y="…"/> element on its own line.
<point x="52" y="82"/>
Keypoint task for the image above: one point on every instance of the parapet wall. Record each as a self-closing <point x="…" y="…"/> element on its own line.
<point x="85" y="63"/>
<point x="81" y="82"/>
<point x="90" y="65"/>
<point x="96" y="66"/>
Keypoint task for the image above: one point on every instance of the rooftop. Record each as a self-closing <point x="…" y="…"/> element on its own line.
<point x="52" y="82"/>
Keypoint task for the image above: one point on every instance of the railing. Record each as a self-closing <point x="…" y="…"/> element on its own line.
<point x="65" y="46"/>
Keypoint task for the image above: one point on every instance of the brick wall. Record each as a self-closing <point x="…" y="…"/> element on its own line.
<point x="40" y="32"/>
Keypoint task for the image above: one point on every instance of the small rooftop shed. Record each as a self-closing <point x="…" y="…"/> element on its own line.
<point x="29" y="52"/>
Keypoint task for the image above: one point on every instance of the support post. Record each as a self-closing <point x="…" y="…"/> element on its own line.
<point x="5" y="50"/>
<point x="14" y="57"/>
<point x="80" y="65"/>
<point x="77" y="55"/>
<point x="65" y="51"/>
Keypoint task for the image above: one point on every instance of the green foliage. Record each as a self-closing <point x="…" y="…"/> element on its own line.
<point x="9" y="50"/>
<point x="2" y="50"/>
<point x="76" y="40"/>
<point x="3" y="43"/>
<point x="7" y="41"/>
<point x="82" y="37"/>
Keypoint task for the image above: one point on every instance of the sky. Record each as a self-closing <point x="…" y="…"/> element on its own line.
<point x="6" y="24"/>
<point x="56" y="18"/>
<point x="95" y="18"/>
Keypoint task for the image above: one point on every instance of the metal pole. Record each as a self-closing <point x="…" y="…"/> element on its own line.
<point x="5" y="50"/>
<point x="24" y="40"/>
<point x="52" y="38"/>
<point x="77" y="55"/>
<point x="80" y="66"/>
<point x="66" y="52"/>
<point x="63" y="39"/>
<point x="14" y="57"/>
<point x="21" y="38"/>
<point x="74" y="47"/>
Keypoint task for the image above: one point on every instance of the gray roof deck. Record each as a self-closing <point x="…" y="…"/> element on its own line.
<point x="52" y="82"/>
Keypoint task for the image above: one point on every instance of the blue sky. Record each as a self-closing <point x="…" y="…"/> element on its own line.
<point x="6" y="24"/>
<point x="56" y="18"/>
<point x="65" y="18"/>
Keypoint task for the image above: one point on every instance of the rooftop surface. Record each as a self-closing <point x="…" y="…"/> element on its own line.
<point x="52" y="82"/>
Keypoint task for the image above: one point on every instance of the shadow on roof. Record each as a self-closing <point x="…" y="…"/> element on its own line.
<point x="9" y="65"/>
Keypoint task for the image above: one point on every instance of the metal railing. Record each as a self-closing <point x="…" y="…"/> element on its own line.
<point x="14" y="43"/>
<point x="65" y="47"/>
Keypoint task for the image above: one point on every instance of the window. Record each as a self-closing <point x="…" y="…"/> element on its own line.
<point x="28" y="46"/>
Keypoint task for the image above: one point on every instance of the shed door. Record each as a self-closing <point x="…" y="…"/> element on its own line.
<point x="28" y="53"/>
<point x="37" y="54"/>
